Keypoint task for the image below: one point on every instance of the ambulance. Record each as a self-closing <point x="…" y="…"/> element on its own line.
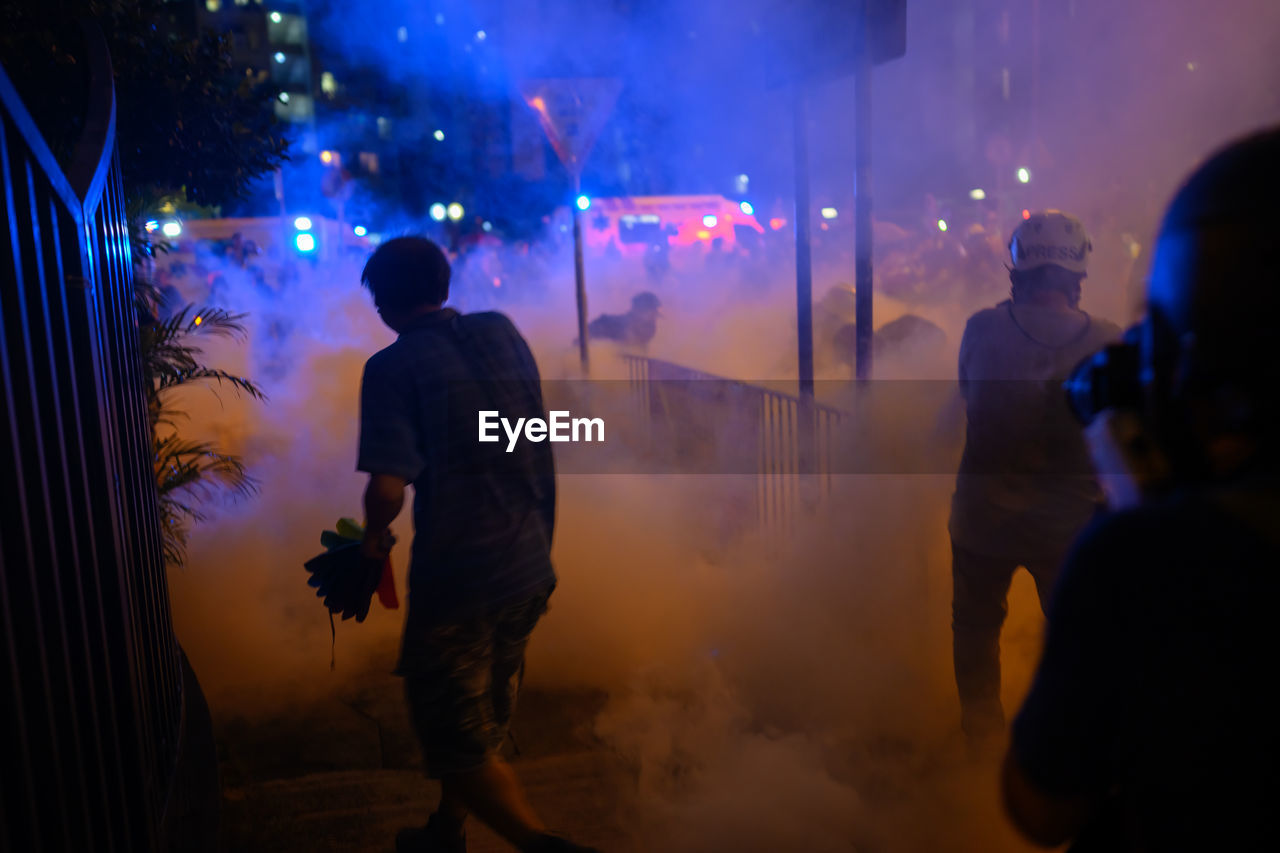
<point x="632" y="224"/>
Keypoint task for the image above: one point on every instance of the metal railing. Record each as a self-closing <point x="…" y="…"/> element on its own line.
<point x="93" y="707"/>
<point x="792" y="437"/>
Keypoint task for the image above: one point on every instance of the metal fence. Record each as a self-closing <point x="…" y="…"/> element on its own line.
<point x="93" y="677"/>
<point x="698" y="413"/>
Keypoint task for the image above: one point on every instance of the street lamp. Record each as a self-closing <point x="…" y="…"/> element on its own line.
<point x="1024" y="175"/>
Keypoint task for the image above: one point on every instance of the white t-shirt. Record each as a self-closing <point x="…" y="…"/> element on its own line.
<point x="1025" y="486"/>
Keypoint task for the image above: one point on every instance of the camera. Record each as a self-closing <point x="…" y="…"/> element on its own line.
<point x="1108" y="379"/>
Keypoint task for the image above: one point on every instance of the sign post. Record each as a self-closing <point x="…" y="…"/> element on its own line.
<point x="579" y="276"/>
<point x="571" y="112"/>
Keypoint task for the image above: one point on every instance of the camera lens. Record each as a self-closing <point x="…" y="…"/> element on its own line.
<point x="1108" y="379"/>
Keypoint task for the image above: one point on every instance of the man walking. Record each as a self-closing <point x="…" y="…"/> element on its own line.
<point x="1024" y="488"/>
<point x="480" y="574"/>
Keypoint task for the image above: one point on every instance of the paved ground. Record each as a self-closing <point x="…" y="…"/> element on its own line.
<point x="344" y="775"/>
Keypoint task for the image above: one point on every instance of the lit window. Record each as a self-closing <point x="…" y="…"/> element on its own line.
<point x="242" y="2"/>
<point x="369" y="162"/>
<point x="402" y="34"/>
<point x="327" y="84"/>
<point x="384" y="127"/>
<point x="439" y="19"/>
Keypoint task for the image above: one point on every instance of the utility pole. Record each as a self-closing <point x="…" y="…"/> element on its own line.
<point x="862" y="197"/>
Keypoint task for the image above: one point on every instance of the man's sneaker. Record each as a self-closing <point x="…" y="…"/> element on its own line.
<point x="549" y="843"/>
<point x="430" y="839"/>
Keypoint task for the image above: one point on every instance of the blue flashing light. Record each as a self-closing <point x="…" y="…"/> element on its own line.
<point x="438" y="212"/>
<point x="746" y="208"/>
<point x="305" y="242"/>
<point x="279" y="57"/>
<point x="583" y="202"/>
<point x="360" y="230"/>
<point x="302" y="223"/>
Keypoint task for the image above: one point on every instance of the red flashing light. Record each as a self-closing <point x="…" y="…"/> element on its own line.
<point x="1026" y="214"/>
<point x="777" y="222"/>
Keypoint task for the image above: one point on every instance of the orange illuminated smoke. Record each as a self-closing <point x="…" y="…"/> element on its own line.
<point x="777" y="222"/>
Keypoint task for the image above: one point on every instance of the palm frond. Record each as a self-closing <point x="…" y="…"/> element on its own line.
<point x="187" y="473"/>
<point x="184" y="464"/>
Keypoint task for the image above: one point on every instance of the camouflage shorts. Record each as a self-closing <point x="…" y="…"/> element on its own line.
<point x="463" y="691"/>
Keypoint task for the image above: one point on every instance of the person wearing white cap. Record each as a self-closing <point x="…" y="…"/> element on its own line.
<point x="1025" y="487"/>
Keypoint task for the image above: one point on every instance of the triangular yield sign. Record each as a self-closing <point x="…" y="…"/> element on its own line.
<point x="571" y="112"/>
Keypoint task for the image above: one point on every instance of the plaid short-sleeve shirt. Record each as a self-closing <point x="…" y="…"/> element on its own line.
<point x="483" y="517"/>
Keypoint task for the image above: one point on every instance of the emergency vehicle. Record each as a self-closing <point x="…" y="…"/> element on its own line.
<point x="632" y="224"/>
